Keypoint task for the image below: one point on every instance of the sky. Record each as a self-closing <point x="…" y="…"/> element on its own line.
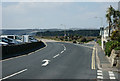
<point x="47" y="15"/>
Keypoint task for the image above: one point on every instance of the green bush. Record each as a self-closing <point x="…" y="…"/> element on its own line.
<point x="99" y="42"/>
<point x="111" y="45"/>
<point x="117" y="48"/>
<point x="116" y="36"/>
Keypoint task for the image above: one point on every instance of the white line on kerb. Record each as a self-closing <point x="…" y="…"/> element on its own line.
<point x="13" y="74"/>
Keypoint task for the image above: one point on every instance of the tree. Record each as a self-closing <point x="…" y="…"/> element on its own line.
<point x="109" y="14"/>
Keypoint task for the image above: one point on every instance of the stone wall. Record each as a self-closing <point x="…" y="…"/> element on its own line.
<point x="115" y="58"/>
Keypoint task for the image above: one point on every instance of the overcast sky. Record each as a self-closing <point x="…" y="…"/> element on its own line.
<point x="46" y="15"/>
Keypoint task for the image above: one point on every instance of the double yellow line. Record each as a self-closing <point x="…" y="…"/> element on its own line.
<point x="93" y="59"/>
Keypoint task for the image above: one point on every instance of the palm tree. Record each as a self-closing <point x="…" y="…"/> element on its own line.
<point x="109" y="15"/>
<point x="116" y="18"/>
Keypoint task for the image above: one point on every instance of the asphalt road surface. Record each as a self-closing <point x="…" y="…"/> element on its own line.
<point x="56" y="61"/>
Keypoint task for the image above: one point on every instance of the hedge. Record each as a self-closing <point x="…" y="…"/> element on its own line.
<point x="16" y="50"/>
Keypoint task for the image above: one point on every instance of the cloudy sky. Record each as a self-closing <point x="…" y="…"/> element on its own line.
<point x="30" y="15"/>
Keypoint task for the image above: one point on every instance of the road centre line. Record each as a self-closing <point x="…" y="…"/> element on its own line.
<point x="56" y="55"/>
<point x="62" y="51"/>
<point x="13" y="74"/>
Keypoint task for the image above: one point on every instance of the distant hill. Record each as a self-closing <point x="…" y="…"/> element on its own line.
<point x="51" y="32"/>
<point x="83" y="32"/>
<point x="25" y="31"/>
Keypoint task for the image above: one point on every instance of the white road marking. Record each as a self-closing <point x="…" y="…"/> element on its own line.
<point x="46" y="62"/>
<point x="56" y="55"/>
<point x="99" y="74"/>
<point x="64" y="48"/>
<point x="99" y="71"/>
<point x="62" y="51"/>
<point x="13" y="74"/>
<point x="111" y="74"/>
<point x="100" y="77"/>
<point x="112" y="78"/>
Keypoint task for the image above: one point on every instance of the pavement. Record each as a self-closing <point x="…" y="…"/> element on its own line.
<point x="58" y="60"/>
<point x="108" y="72"/>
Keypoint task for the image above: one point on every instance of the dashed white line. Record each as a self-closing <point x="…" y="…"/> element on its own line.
<point x="62" y="51"/>
<point x="13" y="74"/>
<point x="99" y="74"/>
<point x="64" y="48"/>
<point x="111" y="75"/>
<point x="110" y="72"/>
<point x="112" y="78"/>
<point x="99" y="71"/>
<point x="56" y="55"/>
<point x="100" y="77"/>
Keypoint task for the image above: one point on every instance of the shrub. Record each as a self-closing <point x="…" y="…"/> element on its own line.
<point x="83" y="40"/>
<point x="117" y="48"/>
<point x="99" y="42"/>
<point x="111" y="45"/>
<point x="115" y="35"/>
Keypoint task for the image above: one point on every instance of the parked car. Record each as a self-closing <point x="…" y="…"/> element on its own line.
<point x="15" y="37"/>
<point x="9" y="41"/>
<point x="2" y="43"/>
<point x="32" y="39"/>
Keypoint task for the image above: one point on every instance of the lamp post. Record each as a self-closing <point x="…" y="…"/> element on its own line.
<point x="101" y="32"/>
<point x="64" y="30"/>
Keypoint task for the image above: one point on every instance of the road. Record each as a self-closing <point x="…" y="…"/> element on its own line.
<point x="57" y="60"/>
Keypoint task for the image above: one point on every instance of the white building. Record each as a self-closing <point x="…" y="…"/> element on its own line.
<point x="105" y="36"/>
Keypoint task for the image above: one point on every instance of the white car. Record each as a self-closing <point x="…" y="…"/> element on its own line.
<point x="9" y="41"/>
<point x="3" y="43"/>
<point x="33" y="39"/>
